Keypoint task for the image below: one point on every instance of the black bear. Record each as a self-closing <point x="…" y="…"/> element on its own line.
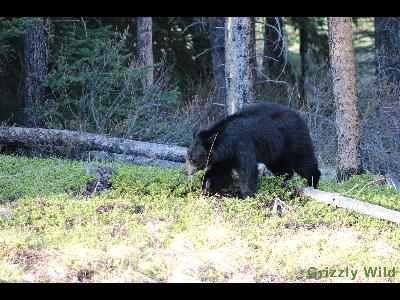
<point x="268" y="133"/>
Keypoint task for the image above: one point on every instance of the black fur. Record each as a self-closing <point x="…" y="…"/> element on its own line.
<point x="263" y="132"/>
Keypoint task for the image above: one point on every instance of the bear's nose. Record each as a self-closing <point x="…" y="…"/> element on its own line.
<point x="189" y="169"/>
<point x="185" y="171"/>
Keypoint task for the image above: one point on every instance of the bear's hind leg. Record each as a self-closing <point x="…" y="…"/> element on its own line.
<point x="281" y="168"/>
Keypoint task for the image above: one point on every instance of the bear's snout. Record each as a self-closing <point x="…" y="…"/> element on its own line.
<point x="189" y="169"/>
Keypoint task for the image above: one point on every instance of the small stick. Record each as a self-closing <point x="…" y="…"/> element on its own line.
<point x="368" y="183"/>
<point x="350" y="189"/>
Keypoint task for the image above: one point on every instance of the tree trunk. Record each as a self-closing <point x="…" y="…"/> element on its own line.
<point x="239" y="63"/>
<point x="35" y="70"/>
<point x="341" y="55"/>
<point x="144" y="47"/>
<point x="387" y="47"/>
<point x="253" y="57"/>
<point x="305" y="56"/>
<point x="217" y="41"/>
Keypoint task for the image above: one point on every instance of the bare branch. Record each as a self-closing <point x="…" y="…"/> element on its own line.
<point x="84" y="26"/>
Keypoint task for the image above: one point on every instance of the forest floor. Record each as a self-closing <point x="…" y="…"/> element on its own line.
<point x="69" y="221"/>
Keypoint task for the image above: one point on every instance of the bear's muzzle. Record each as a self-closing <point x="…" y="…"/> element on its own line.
<point x="189" y="169"/>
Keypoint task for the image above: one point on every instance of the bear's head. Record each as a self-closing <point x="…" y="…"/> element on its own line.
<point x="197" y="154"/>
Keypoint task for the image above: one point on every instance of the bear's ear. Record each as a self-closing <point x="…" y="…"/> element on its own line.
<point x="203" y="135"/>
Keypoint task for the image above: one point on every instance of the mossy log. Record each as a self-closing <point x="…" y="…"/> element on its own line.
<point x="77" y="144"/>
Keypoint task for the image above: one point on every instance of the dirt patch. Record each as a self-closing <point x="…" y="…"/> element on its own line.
<point x="5" y="213"/>
<point x="69" y="222"/>
<point x="25" y="257"/>
<point x="84" y="275"/>
<point x="102" y="182"/>
<point x="104" y="208"/>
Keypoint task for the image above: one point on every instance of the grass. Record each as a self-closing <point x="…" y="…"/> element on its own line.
<point x="154" y="226"/>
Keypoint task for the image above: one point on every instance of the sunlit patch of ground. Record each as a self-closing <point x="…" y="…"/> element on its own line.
<point x="156" y="229"/>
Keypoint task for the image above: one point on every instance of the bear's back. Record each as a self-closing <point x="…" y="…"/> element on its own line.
<point x="269" y="109"/>
<point x="263" y="113"/>
<point x="258" y="119"/>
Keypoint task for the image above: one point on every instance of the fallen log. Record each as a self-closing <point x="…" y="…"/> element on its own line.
<point x="79" y="142"/>
<point x="355" y="205"/>
<point x="141" y="160"/>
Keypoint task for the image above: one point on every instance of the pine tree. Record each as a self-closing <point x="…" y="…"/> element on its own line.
<point x="342" y="61"/>
<point x="144" y="46"/>
<point x="239" y="63"/>
<point x="35" y="68"/>
<point x="217" y="40"/>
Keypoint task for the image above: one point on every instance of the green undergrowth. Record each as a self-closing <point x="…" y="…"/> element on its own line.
<point x="153" y="224"/>
<point x="21" y="176"/>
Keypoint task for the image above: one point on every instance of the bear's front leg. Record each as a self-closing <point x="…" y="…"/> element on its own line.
<point x="248" y="177"/>
<point x="217" y="177"/>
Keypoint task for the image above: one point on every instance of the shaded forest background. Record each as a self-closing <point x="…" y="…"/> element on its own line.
<point x="94" y="81"/>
